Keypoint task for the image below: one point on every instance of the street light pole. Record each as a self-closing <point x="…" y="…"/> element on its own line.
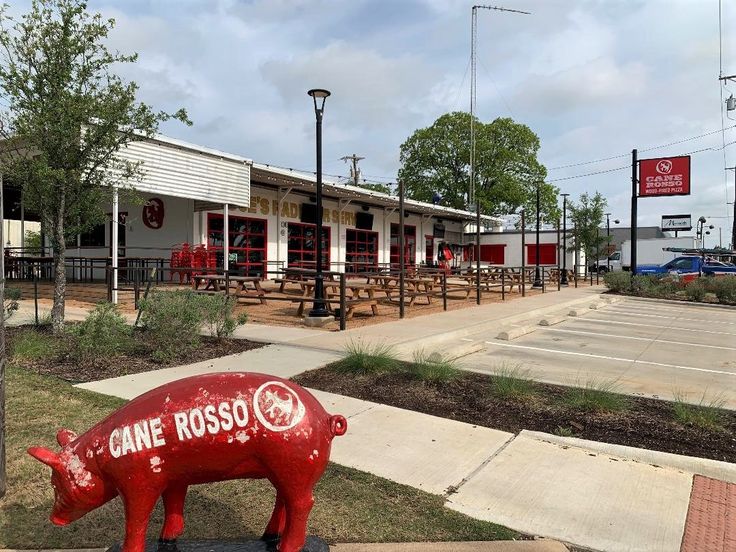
<point x="608" y="242"/>
<point x="563" y="278"/>
<point x="319" y="309"/>
<point x="537" y="275"/>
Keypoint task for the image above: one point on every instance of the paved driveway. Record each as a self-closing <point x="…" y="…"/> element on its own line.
<point x="649" y="348"/>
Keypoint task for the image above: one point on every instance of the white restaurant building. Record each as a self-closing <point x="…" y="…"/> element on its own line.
<point x="195" y="195"/>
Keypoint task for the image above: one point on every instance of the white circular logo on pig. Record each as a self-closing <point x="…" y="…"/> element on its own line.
<point x="277" y="406"/>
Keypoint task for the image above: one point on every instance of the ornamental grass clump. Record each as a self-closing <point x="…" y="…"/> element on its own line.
<point x="724" y="288"/>
<point x="511" y="381"/>
<point x="596" y="396"/>
<point x="433" y="367"/>
<point x="707" y="414"/>
<point x="361" y="359"/>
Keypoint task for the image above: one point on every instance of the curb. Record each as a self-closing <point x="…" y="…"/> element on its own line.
<point x="540" y="545"/>
<point x="724" y="471"/>
<point x="515" y="332"/>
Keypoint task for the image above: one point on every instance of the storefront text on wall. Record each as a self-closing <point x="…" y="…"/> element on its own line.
<point x="292" y="210"/>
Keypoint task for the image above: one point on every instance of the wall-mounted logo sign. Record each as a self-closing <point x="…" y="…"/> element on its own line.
<point x="153" y="213"/>
<point x="676" y="223"/>
<point x="665" y="176"/>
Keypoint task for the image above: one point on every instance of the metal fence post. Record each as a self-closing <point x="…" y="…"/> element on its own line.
<point x="35" y="290"/>
<point x="503" y="284"/>
<point x="444" y="291"/>
<point x="342" y="301"/>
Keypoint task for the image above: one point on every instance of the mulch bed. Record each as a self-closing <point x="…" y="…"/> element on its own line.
<point x="647" y="423"/>
<point x="95" y="368"/>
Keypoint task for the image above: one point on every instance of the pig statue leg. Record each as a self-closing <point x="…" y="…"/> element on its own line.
<point x="173" y="499"/>
<point x="138" y="507"/>
<point x="298" y="505"/>
<point x="276" y="524"/>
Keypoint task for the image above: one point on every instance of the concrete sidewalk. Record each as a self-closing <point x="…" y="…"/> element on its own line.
<point x="603" y="497"/>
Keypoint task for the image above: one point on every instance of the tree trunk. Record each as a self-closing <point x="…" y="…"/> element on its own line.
<point x="3" y="428"/>
<point x="57" y="311"/>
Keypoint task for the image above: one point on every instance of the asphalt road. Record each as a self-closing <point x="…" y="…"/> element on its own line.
<point x="648" y="348"/>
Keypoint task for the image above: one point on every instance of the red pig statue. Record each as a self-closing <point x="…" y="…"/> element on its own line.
<point x="201" y="429"/>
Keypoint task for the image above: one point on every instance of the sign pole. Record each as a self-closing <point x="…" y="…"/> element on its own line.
<point x="634" y="194"/>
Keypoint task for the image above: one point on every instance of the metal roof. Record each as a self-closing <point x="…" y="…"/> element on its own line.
<point x="278" y="176"/>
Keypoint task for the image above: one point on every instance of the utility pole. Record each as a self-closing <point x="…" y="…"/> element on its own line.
<point x="354" y="171"/>
<point x="733" y="220"/>
<point x="472" y="192"/>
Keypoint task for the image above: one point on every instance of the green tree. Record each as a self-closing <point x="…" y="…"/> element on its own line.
<point x="587" y="218"/>
<point x="436" y="159"/>
<point x="67" y="115"/>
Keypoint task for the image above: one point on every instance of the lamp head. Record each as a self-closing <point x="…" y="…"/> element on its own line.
<point x="616" y="221"/>
<point x="701" y="220"/>
<point x="319" y="95"/>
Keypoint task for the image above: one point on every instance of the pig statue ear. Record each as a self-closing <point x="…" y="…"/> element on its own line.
<point x="48" y="457"/>
<point x="65" y="436"/>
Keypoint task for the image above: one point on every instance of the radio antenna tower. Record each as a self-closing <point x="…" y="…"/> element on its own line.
<point x="354" y="170"/>
<point x="472" y="192"/>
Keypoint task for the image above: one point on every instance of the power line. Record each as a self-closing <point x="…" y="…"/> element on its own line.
<point x="641" y="150"/>
<point x="629" y="166"/>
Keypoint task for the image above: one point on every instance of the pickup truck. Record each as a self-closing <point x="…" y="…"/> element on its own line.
<point x="690" y="267"/>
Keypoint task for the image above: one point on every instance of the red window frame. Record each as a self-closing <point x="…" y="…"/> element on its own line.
<point x="410" y="245"/>
<point x="251" y="259"/>
<point x="493" y="253"/>
<point x="547" y="254"/>
<point x="305" y="256"/>
<point x="361" y="250"/>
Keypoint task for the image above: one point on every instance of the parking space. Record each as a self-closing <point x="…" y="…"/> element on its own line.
<point x="649" y="348"/>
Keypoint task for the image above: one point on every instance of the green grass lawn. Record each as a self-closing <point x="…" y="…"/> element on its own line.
<point x="351" y="506"/>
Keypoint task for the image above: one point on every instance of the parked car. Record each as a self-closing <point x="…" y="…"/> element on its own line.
<point x="689" y="267"/>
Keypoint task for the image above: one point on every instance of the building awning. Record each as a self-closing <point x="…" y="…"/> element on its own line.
<point x="280" y="177"/>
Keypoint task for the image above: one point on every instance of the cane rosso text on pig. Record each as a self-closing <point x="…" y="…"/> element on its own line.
<point x="190" y="424"/>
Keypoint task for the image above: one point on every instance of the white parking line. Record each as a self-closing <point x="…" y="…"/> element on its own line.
<point x="634" y="307"/>
<point x="629" y="313"/>
<point x="604" y="357"/>
<point x="652" y="339"/>
<point x="604" y="321"/>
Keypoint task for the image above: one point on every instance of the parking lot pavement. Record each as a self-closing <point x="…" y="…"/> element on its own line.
<point x="650" y="348"/>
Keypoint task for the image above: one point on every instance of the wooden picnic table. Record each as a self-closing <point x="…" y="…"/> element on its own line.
<point x="353" y="297"/>
<point x="248" y="287"/>
<point x="297" y="275"/>
<point x="390" y="284"/>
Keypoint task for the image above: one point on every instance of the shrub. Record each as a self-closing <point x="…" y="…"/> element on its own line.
<point x="10" y="303"/>
<point x="596" y="396"/>
<point x="706" y="415"/>
<point x="217" y="314"/>
<point x="725" y="289"/>
<point x="31" y="344"/>
<point x="103" y="333"/>
<point x="697" y="289"/>
<point x="366" y="359"/>
<point x="511" y="382"/>
<point x="433" y="367"/>
<point x="617" y="281"/>
<point x="172" y="321"/>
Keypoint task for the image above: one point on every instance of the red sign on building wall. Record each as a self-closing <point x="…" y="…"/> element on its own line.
<point x="666" y="176"/>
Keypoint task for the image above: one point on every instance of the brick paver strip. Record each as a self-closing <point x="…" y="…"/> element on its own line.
<point x="711" y="517"/>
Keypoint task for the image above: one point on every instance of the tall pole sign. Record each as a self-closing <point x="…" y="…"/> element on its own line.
<point x="660" y="177"/>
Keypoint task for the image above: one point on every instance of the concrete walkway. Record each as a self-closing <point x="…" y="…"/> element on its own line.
<point x="602" y="497"/>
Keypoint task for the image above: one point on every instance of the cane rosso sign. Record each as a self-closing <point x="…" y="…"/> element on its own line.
<point x="665" y="176"/>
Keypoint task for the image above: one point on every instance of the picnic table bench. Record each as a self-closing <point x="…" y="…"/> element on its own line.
<point x="353" y="297"/>
<point x="248" y="287"/>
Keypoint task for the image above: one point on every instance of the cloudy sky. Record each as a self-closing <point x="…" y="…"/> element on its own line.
<point x="593" y="78"/>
